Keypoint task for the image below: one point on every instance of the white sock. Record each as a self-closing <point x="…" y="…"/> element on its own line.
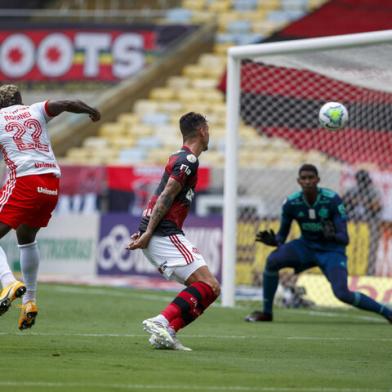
<point x="29" y="263"/>
<point x="171" y="331"/>
<point x="6" y="275"/>
<point x="162" y="319"/>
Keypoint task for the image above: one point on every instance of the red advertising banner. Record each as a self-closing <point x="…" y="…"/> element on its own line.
<point x="104" y="53"/>
<point x="72" y="54"/>
<point x="81" y="179"/>
<point x="135" y="178"/>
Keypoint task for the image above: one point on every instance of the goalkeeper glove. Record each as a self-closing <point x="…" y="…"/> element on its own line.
<point x="267" y="237"/>
<point x="329" y="231"/>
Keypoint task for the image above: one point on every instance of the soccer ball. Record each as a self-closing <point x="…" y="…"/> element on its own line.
<point x="333" y="115"/>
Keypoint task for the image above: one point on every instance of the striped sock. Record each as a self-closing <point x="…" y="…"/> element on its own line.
<point x="189" y="305"/>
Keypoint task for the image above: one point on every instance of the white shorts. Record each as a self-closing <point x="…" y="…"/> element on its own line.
<point x="174" y="256"/>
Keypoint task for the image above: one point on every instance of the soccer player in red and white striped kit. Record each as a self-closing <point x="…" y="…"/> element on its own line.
<point x="162" y="240"/>
<point x="31" y="192"/>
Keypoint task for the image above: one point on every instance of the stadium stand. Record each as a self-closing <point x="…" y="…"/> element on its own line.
<point x="141" y="119"/>
<point x="132" y="137"/>
<point x="149" y="131"/>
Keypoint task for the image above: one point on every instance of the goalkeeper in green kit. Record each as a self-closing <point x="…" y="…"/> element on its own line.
<point x="322" y="220"/>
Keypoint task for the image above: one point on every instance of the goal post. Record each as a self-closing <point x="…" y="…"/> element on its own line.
<point x="291" y="59"/>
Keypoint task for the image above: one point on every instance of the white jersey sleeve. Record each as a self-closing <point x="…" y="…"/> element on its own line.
<point x="41" y="108"/>
<point x="24" y="140"/>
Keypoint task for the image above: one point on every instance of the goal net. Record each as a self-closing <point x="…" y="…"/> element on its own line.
<point x="274" y="93"/>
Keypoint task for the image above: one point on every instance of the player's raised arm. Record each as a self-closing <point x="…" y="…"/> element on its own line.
<point x="162" y="206"/>
<point x="55" y="108"/>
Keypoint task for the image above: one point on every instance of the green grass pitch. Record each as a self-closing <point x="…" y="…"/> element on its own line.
<point x="90" y="339"/>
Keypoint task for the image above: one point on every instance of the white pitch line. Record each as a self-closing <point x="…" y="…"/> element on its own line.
<point x="339" y="339"/>
<point x="332" y="314"/>
<point x="83" y="335"/>
<point x="215" y="337"/>
<point x="69" y="385"/>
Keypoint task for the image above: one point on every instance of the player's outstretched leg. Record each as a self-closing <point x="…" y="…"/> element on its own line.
<point x="338" y="279"/>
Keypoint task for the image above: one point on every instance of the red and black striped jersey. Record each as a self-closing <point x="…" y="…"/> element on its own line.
<point x="182" y="166"/>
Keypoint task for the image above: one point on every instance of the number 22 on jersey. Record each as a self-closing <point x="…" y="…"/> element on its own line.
<point x="30" y="129"/>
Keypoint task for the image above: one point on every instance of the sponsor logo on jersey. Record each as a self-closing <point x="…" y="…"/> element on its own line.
<point x="191" y="158"/>
<point x="44" y="164"/>
<point x="185" y="169"/>
<point x="46" y="191"/>
<point x="312" y="226"/>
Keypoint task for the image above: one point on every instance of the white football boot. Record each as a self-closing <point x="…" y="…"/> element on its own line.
<point x="156" y="343"/>
<point x="155" y="326"/>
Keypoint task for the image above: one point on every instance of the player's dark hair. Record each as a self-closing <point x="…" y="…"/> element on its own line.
<point x="9" y="95"/>
<point x="190" y="123"/>
<point x="308" y="167"/>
